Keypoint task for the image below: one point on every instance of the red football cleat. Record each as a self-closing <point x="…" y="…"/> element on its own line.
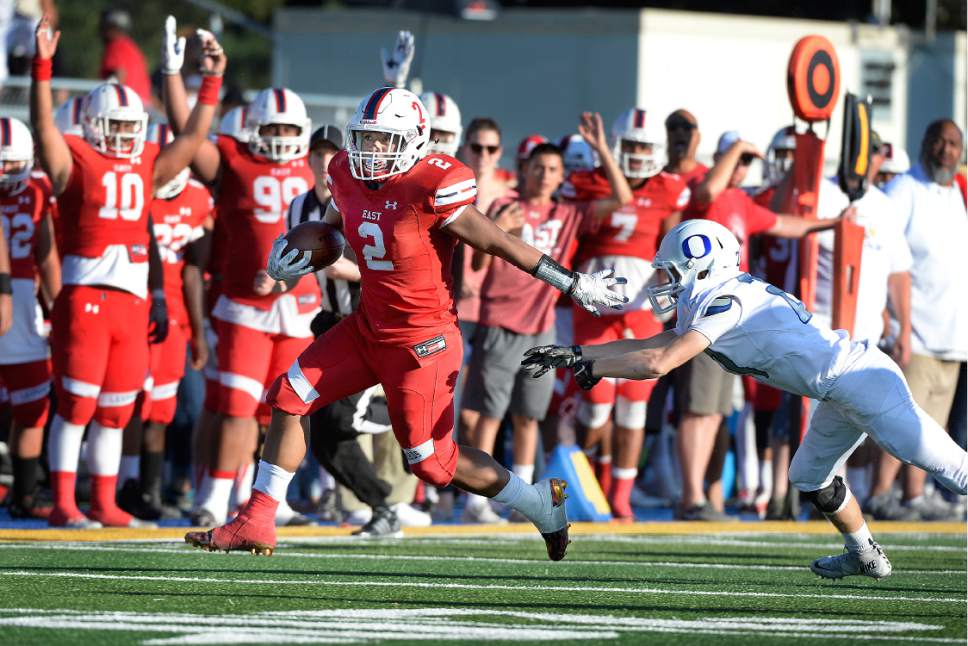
<point x="250" y="532"/>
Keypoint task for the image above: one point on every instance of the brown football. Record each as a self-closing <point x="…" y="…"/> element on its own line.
<point x="324" y="240"/>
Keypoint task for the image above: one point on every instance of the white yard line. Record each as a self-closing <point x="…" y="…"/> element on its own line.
<point x="285" y="553"/>
<point x="472" y="587"/>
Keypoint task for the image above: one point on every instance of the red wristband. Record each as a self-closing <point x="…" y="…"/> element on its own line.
<point x="42" y="69"/>
<point x="208" y="93"/>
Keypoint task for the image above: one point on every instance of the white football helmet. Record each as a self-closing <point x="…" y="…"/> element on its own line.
<point x="396" y="112"/>
<point x="105" y="108"/>
<point x="161" y="134"/>
<point x="16" y="145"/>
<point x="277" y="106"/>
<point x="578" y="155"/>
<point x="233" y="123"/>
<point x="69" y="117"/>
<point x="639" y="126"/>
<point x="776" y="169"/>
<point x="445" y="117"/>
<point x="896" y="160"/>
<point x="694" y="254"/>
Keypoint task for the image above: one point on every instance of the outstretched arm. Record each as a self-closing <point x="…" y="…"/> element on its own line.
<point x="55" y="156"/>
<point x="588" y="290"/>
<point x="180" y="153"/>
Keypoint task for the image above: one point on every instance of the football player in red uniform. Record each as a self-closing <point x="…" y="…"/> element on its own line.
<point x="100" y="322"/>
<point x="257" y="179"/>
<point x="26" y="202"/>
<point x="626" y="242"/>
<point x="402" y="211"/>
<point x="181" y="213"/>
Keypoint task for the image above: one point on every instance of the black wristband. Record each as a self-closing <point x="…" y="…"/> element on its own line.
<point x="576" y="350"/>
<point x="6" y="286"/>
<point x="555" y="275"/>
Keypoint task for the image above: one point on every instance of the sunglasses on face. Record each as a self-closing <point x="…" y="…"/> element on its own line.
<point x="477" y="149"/>
<point x="746" y="159"/>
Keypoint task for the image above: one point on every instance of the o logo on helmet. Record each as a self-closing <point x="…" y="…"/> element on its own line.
<point x="696" y="246"/>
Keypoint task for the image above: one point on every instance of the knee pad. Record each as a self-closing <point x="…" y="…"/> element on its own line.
<point x="593" y="415"/>
<point x="628" y="413"/>
<point x="832" y="498"/>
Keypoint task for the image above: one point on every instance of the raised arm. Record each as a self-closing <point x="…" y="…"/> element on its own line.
<point x="183" y="150"/>
<point x="592" y="130"/>
<point x="55" y="156"/>
<point x="207" y="159"/>
<point x="717" y="179"/>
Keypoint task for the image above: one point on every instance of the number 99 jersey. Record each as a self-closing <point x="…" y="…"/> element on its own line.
<point x="396" y="230"/>
<point x="253" y="197"/>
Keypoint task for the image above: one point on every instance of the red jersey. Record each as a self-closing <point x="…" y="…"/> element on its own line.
<point x="777" y="259"/>
<point x="632" y="230"/>
<point x="254" y="195"/>
<point x="177" y="222"/>
<point x="103" y="218"/>
<point x="515" y="300"/>
<point x="405" y="256"/>
<point x="22" y="210"/>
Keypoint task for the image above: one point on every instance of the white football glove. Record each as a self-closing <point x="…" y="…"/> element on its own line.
<point x="289" y="266"/>
<point x="396" y="64"/>
<point x="593" y="289"/>
<point x="172" y="49"/>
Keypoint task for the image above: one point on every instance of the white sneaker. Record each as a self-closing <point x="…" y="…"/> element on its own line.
<point x="481" y="514"/>
<point x="409" y="516"/>
<point x="871" y="562"/>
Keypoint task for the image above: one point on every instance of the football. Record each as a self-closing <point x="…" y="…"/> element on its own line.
<point x="324" y="240"/>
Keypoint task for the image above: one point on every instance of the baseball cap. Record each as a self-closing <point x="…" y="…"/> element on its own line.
<point x="726" y="140"/>
<point x="326" y="134"/>
<point x="527" y="145"/>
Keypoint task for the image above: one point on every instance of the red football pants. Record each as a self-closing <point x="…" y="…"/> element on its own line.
<point x="28" y="387"/>
<point x="418" y="382"/>
<point x="99" y="339"/>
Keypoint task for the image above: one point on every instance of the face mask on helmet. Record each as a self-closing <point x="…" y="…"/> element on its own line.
<point x="16" y="152"/>
<point x="115" y="122"/>
<point x="267" y="118"/>
<point x="387" y="134"/>
<point x="779" y="156"/>
<point x="445" y="126"/>
<point x="639" y="144"/>
<point x="691" y="256"/>
<point x="443" y="142"/>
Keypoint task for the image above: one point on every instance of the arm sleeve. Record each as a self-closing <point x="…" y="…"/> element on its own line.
<point x="455" y="189"/>
<point x="720" y="316"/>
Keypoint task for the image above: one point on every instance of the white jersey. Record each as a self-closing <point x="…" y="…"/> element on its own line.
<point x="757" y="329"/>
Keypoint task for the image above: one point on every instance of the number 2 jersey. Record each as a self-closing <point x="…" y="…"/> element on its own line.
<point x="626" y="240"/>
<point x="757" y="329"/>
<point x="396" y="230"/>
<point x="176" y="223"/>
<point x="103" y="218"/>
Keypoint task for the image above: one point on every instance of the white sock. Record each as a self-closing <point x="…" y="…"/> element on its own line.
<point x="130" y="469"/>
<point x="859" y="541"/>
<point x="217" y="500"/>
<point x="624" y="474"/>
<point x="272" y="480"/>
<point x="64" y="445"/>
<point x="524" y="471"/>
<point x="104" y="449"/>
<point x="517" y="494"/>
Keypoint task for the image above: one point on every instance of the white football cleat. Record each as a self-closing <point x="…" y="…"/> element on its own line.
<point x="871" y="562"/>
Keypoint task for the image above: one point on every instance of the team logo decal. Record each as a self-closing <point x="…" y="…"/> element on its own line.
<point x="696" y="246"/>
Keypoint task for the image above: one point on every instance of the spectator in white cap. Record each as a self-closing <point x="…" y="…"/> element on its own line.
<point x="896" y="162"/>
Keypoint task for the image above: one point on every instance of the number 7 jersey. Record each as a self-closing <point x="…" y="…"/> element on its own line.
<point x="759" y="330"/>
<point x="396" y="230"/>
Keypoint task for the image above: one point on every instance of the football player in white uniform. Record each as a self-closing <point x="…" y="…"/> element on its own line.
<point x="751" y="327"/>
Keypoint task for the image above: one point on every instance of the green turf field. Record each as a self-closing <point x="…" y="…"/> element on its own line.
<point x="712" y="588"/>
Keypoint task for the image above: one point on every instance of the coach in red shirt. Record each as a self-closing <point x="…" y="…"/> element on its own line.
<point x="123" y="60"/>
